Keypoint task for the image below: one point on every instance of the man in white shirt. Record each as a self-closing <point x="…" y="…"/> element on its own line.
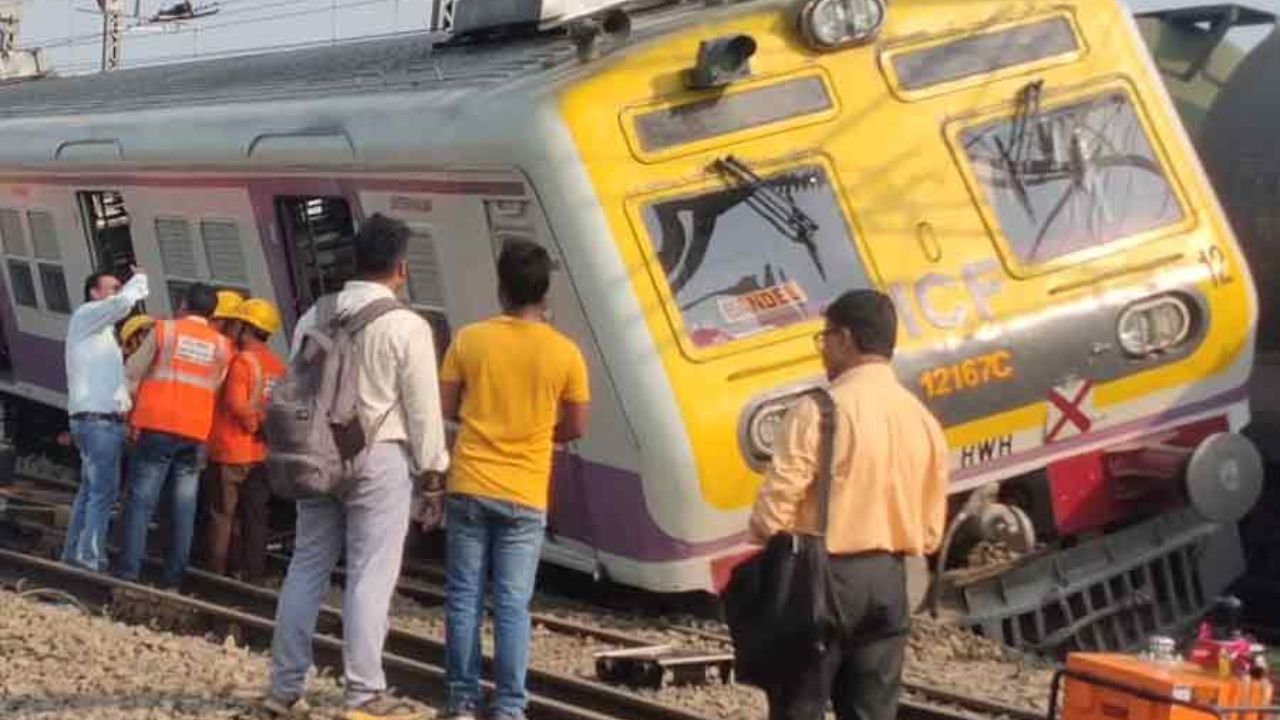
<point x="97" y="403"/>
<point x="399" y="411"/>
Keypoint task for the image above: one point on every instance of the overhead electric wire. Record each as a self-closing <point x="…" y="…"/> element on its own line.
<point x="196" y="26"/>
<point x="251" y="50"/>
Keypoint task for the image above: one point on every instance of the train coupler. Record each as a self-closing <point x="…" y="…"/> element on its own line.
<point x="658" y="666"/>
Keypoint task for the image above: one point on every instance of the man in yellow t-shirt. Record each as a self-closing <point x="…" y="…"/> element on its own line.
<point x="517" y="386"/>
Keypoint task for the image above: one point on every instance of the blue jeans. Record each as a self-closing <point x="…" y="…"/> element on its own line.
<point x="157" y="459"/>
<point x="101" y="443"/>
<point x="484" y="534"/>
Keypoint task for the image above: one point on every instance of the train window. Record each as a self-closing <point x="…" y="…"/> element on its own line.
<point x="508" y="220"/>
<point x="24" y="285"/>
<point x="177" y="290"/>
<point x="222" y="251"/>
<point x="178" y="255"/>
<point x="107" y="224"/>
<point x="756" y="255"/>
<point x="983" y="53"/>
<point x="54" y="284"/>
<point x="320" y="236"/>
<point x="44" y="243"/>
<point x="177" y="251"/>
<point x="726" y="113"/>
<point x="22" y="278"/>
<point x="426" y="287"/>
<point x="15" y="240"/>
<point x="1070" y="178"/>
<point x="44" y="238"/>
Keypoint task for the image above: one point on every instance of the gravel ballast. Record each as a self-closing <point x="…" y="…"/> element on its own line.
<point x="938" y="656"/>
<point x="61" y="663"/>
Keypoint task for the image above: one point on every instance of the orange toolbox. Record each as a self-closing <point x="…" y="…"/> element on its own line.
<point x="1112" y="686"/>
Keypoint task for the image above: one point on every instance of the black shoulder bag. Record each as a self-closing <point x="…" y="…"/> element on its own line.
<point x="780" y="604"/>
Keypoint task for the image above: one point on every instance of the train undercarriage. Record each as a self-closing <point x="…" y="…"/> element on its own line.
<point x="1103" y="550"/>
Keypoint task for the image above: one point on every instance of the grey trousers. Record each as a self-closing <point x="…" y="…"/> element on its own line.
<point x="370" y="521"/>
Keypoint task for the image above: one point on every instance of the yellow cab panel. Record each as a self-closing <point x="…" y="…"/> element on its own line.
<point x="1017" y="214"/>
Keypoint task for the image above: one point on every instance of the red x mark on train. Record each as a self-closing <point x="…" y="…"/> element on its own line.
<point x="1072" y="414"/>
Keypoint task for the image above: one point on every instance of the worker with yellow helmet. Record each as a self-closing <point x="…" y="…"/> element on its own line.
<point x="224" y="315"/>
<point x="133" y="332"/>
<point x="241" y="495"/>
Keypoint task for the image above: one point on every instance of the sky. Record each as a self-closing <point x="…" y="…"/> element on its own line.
<point x="70" y="31"/>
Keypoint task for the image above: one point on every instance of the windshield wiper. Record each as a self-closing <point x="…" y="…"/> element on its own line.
<point x="777" y="207"/>
<point x="1014" y="156"/>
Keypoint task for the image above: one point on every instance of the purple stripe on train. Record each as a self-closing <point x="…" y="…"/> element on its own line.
<point x="605" y="507"/>
<point x="38" y="361"/>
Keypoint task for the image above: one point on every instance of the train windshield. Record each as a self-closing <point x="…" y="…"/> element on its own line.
<point x="1070" y="178"/>
<point x="759" y="254"/>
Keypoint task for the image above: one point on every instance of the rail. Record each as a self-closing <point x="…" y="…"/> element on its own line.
<point x="411" y="661"/>
<point x="411" y="657"/>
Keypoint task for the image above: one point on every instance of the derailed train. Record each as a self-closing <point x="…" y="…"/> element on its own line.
<point x="1074" y="306"/>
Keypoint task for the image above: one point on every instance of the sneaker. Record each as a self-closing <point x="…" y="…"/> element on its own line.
<point x="386" y="707"/>
<point x="278" y="708"/>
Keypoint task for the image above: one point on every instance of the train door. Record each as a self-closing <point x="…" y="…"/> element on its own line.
<point x="107" y="225"/>
<point x="430" y="219"/>
<point x="319" y="239"/>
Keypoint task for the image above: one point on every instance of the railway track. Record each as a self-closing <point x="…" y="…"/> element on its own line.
<point x="414" y="661"/>
<point x="420" y="586"/>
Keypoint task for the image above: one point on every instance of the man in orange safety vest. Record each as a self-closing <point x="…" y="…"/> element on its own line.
<point x="182" y="364"/>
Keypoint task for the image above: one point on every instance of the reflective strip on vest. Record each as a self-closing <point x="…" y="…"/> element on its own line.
<point x="189" y="349"/>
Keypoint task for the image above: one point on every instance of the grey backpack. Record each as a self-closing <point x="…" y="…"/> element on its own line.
<point x="313" y="434"/>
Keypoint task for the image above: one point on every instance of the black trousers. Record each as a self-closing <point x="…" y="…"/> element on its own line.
<point x="861" y="673"/>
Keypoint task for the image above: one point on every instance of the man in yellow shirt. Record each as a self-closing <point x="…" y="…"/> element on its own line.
<point x="516" y="386"/>
<point x="888" y="501"/>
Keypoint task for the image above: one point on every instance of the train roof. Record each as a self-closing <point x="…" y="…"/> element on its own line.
<point x="411" y="63"/>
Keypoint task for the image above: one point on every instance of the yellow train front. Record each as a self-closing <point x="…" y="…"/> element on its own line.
<point x="1073" y="305"/>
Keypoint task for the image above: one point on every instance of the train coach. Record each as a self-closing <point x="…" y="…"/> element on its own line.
<point x="1073" y="305"/>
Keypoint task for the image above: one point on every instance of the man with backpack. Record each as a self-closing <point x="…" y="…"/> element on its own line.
<point x="356" y="483"/>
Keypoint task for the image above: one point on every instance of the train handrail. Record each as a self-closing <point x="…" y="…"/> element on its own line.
<point x="67" y="148"/>
<point x="316" y="137"/>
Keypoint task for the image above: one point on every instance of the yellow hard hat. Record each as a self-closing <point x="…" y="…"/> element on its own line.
<point x="260" y="314"/>
<point x="228" y="301"/>
<point x="134" y="325"/>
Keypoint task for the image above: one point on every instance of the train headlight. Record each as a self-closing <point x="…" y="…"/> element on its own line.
<point x="1155" y="325"/>
<point x="830" y="24"/>
<point x="762" y="427"/>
